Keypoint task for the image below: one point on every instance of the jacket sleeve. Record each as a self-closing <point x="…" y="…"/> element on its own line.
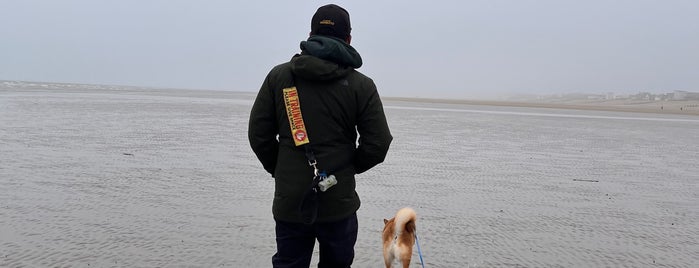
<point x="374" y="135"/>
<point x="263" y="128"/>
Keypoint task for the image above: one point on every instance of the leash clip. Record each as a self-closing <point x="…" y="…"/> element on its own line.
<point x="314" y="164"/>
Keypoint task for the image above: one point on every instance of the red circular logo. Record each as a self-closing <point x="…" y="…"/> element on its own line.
<point x="300" y="135"/>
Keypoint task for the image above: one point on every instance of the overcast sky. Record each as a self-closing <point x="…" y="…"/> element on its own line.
<point x="456" y="49"/>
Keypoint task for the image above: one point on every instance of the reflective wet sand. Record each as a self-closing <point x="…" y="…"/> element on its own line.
<point x="147" y="178"/>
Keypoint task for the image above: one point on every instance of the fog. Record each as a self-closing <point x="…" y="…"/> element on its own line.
<point x="454" y="49"/>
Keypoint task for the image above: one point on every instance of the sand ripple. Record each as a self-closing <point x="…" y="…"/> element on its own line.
<point x="148" y="179"/>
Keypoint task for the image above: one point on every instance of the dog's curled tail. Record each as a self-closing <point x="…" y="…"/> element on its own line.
<point x="405" y="220"/>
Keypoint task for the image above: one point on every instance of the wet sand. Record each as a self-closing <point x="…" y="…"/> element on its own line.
<point x="634" y="106"/>
<point x="149" y="178"/>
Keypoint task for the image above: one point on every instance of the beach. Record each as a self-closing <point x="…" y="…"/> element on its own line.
<point x="685" y="107"/>
<point x="138" y="177"/>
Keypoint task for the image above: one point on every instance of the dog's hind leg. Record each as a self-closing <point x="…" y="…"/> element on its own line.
<point x="388" y="259"/>
<point x="405" y="257"/>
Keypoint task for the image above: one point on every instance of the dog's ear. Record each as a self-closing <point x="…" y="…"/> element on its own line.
<point x="385" y="221"/>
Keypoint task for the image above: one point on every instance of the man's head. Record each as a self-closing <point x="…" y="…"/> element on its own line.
<point x="331" y="20"/>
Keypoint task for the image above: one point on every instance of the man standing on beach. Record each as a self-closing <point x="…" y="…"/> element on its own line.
<point x="312" y="109"/>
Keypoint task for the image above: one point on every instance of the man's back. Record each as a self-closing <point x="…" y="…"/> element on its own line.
<point x="336" y="102"/>
<point x="318" y="108"/>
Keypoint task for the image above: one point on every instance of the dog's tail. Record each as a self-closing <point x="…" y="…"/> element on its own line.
<point x="405" y="221"/>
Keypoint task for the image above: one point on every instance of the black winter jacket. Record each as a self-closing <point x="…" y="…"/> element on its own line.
<point x="337" y="103"/>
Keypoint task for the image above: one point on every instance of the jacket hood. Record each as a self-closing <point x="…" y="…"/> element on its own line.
<point x="325" y="58"/>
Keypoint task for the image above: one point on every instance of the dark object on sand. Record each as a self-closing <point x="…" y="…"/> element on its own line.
<point x="585" y="180"/>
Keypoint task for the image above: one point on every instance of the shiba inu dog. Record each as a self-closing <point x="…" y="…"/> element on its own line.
<point x="399" y="237"/>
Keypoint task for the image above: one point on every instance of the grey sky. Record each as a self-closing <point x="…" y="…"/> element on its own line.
<point x="461" y="49"/>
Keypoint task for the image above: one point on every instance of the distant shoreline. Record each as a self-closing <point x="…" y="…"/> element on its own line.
<point x="636" y="106"/>
<point x="656" y="107"/>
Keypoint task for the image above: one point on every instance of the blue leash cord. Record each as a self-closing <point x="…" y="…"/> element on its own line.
<point x="419" y="252"/>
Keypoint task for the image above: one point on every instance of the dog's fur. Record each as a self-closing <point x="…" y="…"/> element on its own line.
<point x="399" y="237"/>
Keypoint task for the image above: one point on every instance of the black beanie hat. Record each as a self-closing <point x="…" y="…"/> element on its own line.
<point x="331" y="20"/>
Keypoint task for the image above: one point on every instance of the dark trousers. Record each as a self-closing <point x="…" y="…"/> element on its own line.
<point x="336" y="241"/>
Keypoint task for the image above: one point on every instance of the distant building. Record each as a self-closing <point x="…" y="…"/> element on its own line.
<point x="685" y="95"/>
<point x="679" y="95"/>
<point x="642" y="96"/>
<point x="596" y="97"/>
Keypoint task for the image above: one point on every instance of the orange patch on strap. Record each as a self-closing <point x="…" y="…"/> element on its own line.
<point x="293" y="112"/>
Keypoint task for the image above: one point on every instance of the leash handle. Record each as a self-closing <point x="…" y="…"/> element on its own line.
<point x="419" y="252"/>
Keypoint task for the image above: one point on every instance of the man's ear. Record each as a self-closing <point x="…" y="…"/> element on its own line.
<point x="349" y="39"/>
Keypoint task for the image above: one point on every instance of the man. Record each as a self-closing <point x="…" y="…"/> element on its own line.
<point x="318" y="103"/>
